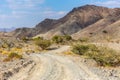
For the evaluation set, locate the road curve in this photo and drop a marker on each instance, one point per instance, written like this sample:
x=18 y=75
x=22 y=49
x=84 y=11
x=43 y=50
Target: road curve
x=51 y=66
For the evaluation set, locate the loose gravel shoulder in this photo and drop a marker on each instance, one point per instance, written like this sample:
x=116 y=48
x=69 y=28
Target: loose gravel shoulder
x=8 y=69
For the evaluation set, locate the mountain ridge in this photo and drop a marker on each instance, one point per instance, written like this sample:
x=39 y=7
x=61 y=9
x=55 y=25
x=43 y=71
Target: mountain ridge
x=74 y=23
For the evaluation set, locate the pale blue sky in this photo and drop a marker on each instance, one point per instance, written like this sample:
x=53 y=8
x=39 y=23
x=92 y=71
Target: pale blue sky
x=28 y=13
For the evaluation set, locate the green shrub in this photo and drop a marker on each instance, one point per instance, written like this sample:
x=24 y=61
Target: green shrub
x=57 y=39
x=61 y=39
x=103 y=56
x=14 y=55
x=44 y=44
x=11 y=56
x=38 y=38
x=104 y=31
x=67 y=37
x=25 y=39
x=80 y=49
x=83 y=39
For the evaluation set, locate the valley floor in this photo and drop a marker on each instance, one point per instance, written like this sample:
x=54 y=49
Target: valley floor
x=53 y=65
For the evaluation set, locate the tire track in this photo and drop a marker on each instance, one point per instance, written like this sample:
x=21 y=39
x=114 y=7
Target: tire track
x=51 y=66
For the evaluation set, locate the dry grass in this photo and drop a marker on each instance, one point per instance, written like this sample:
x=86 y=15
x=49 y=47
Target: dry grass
x=12 y=56
x=68 y=53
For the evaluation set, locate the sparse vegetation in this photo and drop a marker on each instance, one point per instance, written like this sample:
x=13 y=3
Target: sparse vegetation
x=67 y=37
x=68 y=53
x=38 y=38
x=44 y=44
x=104 y=31
x=12 y=55
x=57 y=39
x=61 y=39
x=7 y=44
x=25 y=39
x=103 y=56
x=83 y=39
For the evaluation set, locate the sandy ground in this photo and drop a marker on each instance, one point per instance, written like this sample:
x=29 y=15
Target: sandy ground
x=53 y=66
x=50 y=66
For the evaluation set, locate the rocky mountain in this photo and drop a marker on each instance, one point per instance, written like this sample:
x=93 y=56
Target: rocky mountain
x=42 y=27
x=84 y=21
x=107 y=28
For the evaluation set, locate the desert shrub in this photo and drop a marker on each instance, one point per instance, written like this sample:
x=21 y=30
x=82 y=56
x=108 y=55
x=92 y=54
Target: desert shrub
x=104 y=31
x=106 y=57
x=61 y=39
x=103 y=56
x=44 y=44
x=25 y=39
x=91 y=33
x=38 y=38
x=16 y=49
x=81 y=49
x=4 y=52
x=83 y=39
x=5 y=45
x=14 y=55
x=67 y=37
x=68 y=53
x=11 y=56
x=57 y=39
x=6 y=59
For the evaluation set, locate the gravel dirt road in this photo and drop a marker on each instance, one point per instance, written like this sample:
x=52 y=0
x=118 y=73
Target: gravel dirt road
x=52 y=66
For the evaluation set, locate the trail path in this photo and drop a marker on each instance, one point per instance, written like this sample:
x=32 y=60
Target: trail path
x=52 y=66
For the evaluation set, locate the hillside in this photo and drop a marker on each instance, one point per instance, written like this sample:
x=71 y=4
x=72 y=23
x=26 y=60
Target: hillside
x=42 y=27
x=84 y=21
x=106 y=28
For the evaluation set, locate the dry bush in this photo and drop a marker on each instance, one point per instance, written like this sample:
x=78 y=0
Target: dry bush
x=68 y=53
x=57 y=39
x=102 y=55
x=12 y=56
x=61 y=39
x=44 y=44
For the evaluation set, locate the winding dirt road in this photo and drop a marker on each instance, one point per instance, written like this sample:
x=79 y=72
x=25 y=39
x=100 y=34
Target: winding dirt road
x=52 y=66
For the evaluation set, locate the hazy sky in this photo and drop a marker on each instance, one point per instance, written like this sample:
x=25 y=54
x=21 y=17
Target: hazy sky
x=27 y=13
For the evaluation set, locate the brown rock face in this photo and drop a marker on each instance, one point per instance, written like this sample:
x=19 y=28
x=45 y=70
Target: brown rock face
x=88 y=20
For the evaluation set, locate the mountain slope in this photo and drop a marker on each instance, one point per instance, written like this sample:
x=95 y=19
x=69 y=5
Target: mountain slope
x=78 y=19
x=86 y=20
x=90 y=17
x=42 y=27
x=109 y=27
